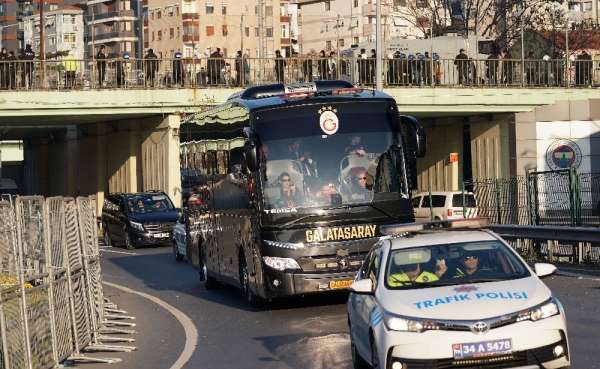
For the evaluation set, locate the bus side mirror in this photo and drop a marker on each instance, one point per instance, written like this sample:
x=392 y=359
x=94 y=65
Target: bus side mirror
x=416 y=134
x=251 y=154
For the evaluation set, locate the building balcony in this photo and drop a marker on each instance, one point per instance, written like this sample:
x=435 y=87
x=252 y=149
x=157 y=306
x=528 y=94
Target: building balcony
x=188 y=16
x=100 y=37
x=370 y=10
x=285 y=19
x=114 y=14
x=191 y=38
x=284 y=41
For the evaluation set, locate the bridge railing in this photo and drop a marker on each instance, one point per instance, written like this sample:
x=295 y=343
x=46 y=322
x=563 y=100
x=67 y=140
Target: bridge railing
x=239 y=72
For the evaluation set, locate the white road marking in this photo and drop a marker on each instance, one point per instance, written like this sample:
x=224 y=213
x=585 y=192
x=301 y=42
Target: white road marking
x=578 y=276
x=191 y=333
x=118 y=252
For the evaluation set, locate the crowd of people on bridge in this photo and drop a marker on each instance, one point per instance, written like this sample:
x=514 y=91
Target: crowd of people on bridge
x=214 y=69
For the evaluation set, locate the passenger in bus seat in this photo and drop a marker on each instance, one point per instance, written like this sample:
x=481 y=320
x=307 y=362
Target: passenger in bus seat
x=288 y=195
x=355 y=146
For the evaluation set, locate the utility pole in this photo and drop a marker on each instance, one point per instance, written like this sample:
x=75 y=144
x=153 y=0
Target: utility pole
x=378 y=47
x=261 y=29
x=42 y=43
x=241 y=33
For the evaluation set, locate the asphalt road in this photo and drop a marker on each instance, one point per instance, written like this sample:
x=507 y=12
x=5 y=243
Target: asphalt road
x=298 y=333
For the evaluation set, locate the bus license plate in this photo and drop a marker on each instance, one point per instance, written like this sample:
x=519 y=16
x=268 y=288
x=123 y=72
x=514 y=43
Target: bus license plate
x=341 y=284
x=481 y=349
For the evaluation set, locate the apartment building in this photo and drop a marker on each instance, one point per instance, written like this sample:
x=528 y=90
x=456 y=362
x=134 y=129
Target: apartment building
x=339 y=24
x=63 y=31
x=585 y=11
x=12 y=13
x=116 y=24
x=198 y=27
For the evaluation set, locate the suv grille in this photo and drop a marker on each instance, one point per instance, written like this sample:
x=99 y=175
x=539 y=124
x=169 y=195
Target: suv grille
x=159 y=227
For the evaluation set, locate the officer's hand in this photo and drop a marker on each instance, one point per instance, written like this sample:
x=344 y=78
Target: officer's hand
x=441 y=268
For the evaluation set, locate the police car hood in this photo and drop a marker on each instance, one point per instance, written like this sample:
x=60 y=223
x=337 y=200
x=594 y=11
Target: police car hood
x=467 y=301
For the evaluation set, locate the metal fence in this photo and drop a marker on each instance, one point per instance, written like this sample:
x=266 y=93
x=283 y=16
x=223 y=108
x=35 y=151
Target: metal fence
x=51 y=301
x=240 y=72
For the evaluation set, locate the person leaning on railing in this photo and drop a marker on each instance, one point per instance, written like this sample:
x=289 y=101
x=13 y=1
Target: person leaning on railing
x=70 y=67
x=27 y=72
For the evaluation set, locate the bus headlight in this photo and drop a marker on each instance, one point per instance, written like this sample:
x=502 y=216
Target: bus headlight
x=280 y=263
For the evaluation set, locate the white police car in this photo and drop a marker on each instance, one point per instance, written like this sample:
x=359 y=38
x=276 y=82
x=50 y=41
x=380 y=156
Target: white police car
x=453 y=299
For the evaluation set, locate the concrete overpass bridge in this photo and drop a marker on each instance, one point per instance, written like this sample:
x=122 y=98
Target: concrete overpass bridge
x=110 y=140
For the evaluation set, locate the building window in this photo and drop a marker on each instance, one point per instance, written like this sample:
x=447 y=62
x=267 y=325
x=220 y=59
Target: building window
x=210 y=30
x=171 y=33
x=269 y=31
x=152 y=35
x=328 y=45
x=171 y=11
x=421 y=4
x=69 y=37
x=51 y=40
x=125 y=26
x=68 y=19
x=256 y=10
x=341 y=42
x=355 y=40
x=224 y=30
x=178 y=34
x=356 y=3
x=284 y=31
x=177 y=10
x=159 y=14
x=268 y=11
x=223 y=9
x=152 y=14
x=159 y=35
x=247 y=31
x=587 y=6
x=210 y=9
x=2 y=9
x=327 y=6
x=256 y=32
x=125 y=5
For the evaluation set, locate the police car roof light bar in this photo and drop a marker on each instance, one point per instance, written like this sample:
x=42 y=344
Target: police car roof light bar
x=472 y=223
x=347 y=91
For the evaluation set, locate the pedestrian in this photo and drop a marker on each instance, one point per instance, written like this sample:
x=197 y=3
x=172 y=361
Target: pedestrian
x=120 y=69
x=12 y=70
x=403 y=72
x=531 y=69
x=151 y=67
x=322 y=65
x=362 y=66
x=101 y=64
x=372 y=66
x=583 y=69
x=239 y=68
x=491 y=65
x=279 y=66
x=420 y=68
x=307 y=66
x=178 y=71
x=28 y=68
x=70 y=67
x=3 y=68
x=507 y=67
x=332 y=66
x=393 y=68
x=462 y=64
x=437 y=69
x=427 y=76
x=411 y=69
x=246 y=60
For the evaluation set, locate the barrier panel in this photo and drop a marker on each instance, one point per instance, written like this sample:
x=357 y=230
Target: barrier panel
x=51 y=302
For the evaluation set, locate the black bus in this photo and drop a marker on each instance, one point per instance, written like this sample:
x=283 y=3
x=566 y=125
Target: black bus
x=320 y=168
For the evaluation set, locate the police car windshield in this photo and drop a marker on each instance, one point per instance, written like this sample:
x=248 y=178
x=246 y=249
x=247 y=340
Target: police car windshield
x=140 y=204
x=452 y=264
x=311 y=161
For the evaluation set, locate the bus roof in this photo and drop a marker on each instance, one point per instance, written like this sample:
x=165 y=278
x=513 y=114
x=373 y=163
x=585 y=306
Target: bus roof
x=240 y=104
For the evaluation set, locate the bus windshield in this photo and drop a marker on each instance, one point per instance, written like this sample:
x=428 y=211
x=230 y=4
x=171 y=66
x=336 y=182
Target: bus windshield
x=305 y=165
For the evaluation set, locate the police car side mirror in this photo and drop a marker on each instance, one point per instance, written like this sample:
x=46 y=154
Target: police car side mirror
x=362 y=286
x=544 y=269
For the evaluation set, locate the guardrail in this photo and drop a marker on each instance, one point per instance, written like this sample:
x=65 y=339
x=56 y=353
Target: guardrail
x=52 y=306
x=553 y=243
x=66 y=74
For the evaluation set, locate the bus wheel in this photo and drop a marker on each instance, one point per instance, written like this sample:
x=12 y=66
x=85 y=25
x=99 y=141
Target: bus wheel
x=254 y=300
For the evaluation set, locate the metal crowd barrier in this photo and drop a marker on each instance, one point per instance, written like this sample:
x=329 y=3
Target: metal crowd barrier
x=163 y=73
x=52 y=306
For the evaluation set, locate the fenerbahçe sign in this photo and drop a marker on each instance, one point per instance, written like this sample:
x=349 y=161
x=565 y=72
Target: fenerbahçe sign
x=340 y=233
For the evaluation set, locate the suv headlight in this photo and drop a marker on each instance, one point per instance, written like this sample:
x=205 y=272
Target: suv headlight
x=541 y=311
x=281 y=263
x=137 y=226
x=405 y=324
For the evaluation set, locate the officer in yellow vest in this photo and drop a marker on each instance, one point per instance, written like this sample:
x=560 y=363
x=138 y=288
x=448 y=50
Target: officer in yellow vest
x=70 y=67
x=410 y=274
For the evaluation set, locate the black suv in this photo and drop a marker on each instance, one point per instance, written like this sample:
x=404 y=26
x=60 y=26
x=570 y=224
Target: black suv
x=135 y=219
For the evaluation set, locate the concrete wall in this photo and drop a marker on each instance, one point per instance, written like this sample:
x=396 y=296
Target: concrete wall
x=119 y=156
x=491 y=148
x=573 y=124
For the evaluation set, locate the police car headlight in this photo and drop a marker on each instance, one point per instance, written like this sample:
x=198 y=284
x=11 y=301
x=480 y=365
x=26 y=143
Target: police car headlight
x=396 y=323
x=280 y=263
x=542 y=311
x=137 y=226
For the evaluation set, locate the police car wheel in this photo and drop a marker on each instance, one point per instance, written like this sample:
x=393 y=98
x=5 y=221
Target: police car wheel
x=374 y=355
x=357 y=361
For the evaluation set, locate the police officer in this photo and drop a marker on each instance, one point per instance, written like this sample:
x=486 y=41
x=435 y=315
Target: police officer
x=469 y=267
x=27 y=72
x=178 y=69
x=410 y=274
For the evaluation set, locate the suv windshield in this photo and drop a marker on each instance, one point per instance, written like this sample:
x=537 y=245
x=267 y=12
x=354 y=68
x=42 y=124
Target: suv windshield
x=149 y=203
x=452 y=264
x=305 y=167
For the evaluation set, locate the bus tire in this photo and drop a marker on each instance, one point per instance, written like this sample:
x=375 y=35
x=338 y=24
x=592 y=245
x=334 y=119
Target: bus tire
x=253 y=299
